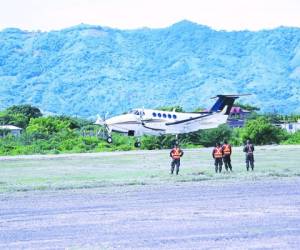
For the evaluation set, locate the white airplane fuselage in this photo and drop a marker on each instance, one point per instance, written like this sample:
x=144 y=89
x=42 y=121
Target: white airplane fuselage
x=139 y=122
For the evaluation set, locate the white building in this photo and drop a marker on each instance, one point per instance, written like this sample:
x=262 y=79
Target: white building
x=291 y=127
x=5 y=129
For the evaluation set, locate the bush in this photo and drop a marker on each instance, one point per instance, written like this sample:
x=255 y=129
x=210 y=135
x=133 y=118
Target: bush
x=210 y=137
x=47 y=125
x=293 y=138
x=260 y=131
x=19 y=115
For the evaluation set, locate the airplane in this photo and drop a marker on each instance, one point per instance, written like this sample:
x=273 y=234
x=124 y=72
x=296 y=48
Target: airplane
x=138 y=122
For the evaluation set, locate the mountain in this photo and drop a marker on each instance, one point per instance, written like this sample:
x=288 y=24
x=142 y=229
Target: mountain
x=87 y=69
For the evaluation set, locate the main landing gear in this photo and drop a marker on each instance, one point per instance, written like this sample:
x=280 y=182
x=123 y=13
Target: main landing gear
x=105 y=134
x=109 y=139
x=138 y=143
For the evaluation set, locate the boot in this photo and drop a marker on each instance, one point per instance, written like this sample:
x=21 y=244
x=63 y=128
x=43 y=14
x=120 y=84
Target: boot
x=172 y=170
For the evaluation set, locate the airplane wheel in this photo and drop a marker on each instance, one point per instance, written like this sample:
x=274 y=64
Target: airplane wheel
x=137 y=144
x=109 y=139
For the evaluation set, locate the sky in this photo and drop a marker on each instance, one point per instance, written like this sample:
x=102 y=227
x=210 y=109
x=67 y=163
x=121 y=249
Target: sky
x=230 y=15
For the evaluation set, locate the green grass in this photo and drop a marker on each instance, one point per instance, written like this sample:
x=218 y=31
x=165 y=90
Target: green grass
x=152 y=167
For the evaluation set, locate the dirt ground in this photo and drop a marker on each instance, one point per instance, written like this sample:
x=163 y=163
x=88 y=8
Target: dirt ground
x=226 y=214
x=128 y=200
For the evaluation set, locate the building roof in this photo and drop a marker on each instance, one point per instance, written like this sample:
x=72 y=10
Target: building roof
x=10 y=127
x=238 y=110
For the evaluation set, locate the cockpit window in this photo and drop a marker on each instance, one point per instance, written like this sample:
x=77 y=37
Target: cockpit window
x=136 y=112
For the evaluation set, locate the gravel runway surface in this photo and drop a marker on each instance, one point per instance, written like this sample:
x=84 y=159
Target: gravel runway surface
x=262 y=214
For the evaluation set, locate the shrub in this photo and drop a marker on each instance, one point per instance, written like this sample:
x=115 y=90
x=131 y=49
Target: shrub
x=260 y=131
x=293 y=138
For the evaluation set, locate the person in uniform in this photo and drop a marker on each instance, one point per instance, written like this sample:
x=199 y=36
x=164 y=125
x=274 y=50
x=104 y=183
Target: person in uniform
x=248 y=149
x=227 y=150
x=176 y=153
x=217 y=154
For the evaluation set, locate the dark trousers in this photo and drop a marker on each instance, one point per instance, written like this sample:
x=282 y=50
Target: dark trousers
x=227 y=162
x=249 y=161
x=175 y=163
x=218 y=165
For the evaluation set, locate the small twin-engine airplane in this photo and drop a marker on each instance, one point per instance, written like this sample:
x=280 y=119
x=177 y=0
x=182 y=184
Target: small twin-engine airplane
x=141 y=121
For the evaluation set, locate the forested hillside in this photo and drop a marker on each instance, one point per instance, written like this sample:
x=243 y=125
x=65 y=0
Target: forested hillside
x=85 y=70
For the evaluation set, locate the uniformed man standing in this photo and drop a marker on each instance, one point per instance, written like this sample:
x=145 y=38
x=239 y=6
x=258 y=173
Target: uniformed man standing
x=227 y=155
x=176 y=153
x=248 y=149
x=217 y=154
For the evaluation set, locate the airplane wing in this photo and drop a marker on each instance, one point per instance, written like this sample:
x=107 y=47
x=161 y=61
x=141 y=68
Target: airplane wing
x=154 y=125
x=203 y=121
x=187 y=121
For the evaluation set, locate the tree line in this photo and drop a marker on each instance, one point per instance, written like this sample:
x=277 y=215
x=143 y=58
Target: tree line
x=61 y=134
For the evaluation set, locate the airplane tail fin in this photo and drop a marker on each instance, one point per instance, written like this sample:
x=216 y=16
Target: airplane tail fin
x=224 y=103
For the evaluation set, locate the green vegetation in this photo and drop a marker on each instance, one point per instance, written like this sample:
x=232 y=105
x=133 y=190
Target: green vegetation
x=61 y=134
x=293 y=138
x=19 y=115
x=260 y=131
x=247 y=107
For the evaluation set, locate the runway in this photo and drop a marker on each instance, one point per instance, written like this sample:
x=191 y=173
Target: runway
x=258 y=214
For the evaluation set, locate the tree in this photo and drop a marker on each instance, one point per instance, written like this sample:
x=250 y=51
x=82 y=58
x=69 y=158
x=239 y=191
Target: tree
x=19 y=115
x=75 y=122
x=210 y=137
x=171 y=108
x=247 y=107
x=199 y=109
x=293 y=138
x=260 y=131
x=207 y=137
x=16 y=119
x=26 y=109
x=48 y=125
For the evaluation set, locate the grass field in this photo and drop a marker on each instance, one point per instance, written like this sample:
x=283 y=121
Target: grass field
x=26 y=173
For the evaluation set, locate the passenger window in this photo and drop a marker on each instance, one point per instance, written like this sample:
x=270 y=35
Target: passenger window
x=154 y=114
x=164 y=116
x=169 y=116
x=159 y=114
x=174 y=117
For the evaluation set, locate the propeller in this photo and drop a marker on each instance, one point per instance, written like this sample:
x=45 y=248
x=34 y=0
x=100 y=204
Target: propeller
x=101 y=121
